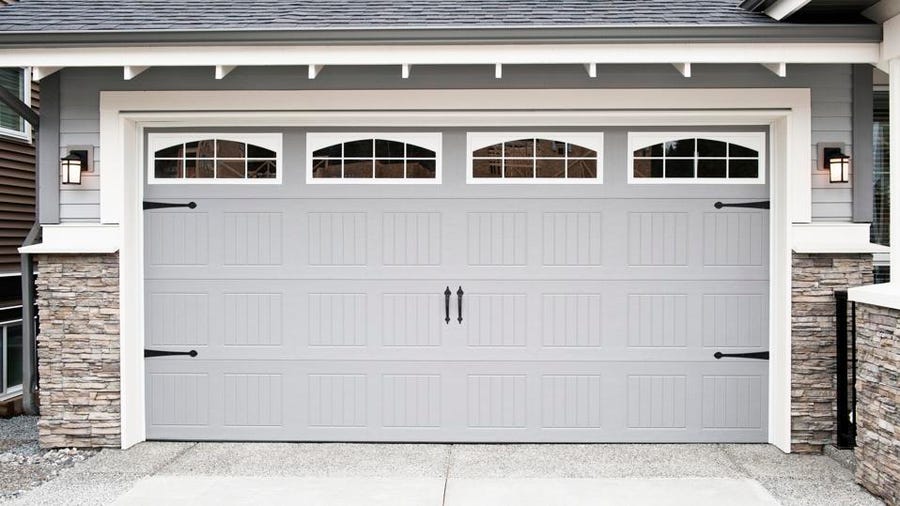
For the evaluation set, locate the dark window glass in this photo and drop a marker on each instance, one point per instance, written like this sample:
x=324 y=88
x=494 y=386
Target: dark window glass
x=329 y=152
x=583 y=168
x=200 y=149
x=167 y=169
x=230 y=169
x=550 y=149
x=324 y=168
x=176 y=151
x=735 y=151
x=389 y=169
x=679 y=168
x=421 y=169
x=495 y=151
x=518 y=168
x=13 y=80
x=231 y=149
x=14 y=350
x=199 y=169
x=358 y=149
x=258 y=152
x=711 y=168
x=491 y=167
x=551 y=168
x=261 y=169
x=711 y=149
x=743 y=168
x=683 y=147
x=522 y=148
x=644 y=168
x=655 y=150
x=358 y=169
x=576 y=151
x=388 y=149
x=413 y=151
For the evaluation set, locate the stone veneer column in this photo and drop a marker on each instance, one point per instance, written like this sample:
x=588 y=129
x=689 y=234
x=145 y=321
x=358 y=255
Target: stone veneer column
x=813 y=361
x=78 y=350
x=878 y=401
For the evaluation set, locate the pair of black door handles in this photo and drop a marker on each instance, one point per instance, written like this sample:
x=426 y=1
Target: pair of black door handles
x=459 y=296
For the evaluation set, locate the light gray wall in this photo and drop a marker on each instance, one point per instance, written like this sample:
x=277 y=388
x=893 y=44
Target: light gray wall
x=831 y=102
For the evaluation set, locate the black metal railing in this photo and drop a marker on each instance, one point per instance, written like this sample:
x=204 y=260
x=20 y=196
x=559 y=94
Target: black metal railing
x=845 y=324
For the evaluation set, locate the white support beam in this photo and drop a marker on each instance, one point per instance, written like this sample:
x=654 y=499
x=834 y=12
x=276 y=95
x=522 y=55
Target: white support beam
x=784 y=8
x=498 y=71
x=779 y=69
x=130 y=72
x=314 y=70
x=38 y=73
x=404 y=70
x=224 y=70
x=591 y=69
x=894 y=143
x=683 y=68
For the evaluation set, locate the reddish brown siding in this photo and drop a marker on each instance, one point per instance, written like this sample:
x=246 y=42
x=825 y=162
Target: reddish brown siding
x=17 y=193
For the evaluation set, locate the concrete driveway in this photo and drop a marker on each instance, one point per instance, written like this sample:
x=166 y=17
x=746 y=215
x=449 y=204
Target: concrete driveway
x=405 y=474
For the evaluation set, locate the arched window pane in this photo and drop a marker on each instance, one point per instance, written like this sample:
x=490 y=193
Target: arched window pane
x=374 y=158
x=214 y=159
x=736 y=151
x=534 y=158
x=707 y=148
x=681 y=148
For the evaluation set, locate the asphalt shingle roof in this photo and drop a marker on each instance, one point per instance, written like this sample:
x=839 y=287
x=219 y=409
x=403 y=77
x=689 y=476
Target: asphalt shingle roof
x=262 y=15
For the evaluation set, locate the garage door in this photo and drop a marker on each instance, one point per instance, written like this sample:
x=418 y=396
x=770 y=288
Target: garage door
x=456 y=286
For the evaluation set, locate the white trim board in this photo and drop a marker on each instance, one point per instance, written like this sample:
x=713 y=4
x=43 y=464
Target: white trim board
x=125 y=115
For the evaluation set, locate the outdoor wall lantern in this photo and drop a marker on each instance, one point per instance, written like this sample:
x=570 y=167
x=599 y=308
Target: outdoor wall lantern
x=72 y=165
x=838 y=165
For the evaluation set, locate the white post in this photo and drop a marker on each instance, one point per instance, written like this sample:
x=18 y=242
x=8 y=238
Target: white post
x=894 y=96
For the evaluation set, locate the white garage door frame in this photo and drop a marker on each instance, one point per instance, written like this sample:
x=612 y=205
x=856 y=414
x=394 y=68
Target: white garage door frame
x=125 y=115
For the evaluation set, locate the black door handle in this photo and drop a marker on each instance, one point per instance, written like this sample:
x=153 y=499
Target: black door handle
x=763 y=204
x=459 y=295
x=447 y=305
x=164 y=353
x=164 y=205
x=758 y=355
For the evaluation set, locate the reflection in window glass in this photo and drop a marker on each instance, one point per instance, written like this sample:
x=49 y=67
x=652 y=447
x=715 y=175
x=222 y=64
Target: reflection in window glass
x=534 y=158
x=374 y=158
x=215 y=159
x=695 y=158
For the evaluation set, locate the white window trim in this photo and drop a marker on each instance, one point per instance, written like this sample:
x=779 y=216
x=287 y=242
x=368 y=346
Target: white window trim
x=427 y=140
x=478 y=140
x=26 y=97
x=753 y=140
x=160 y=140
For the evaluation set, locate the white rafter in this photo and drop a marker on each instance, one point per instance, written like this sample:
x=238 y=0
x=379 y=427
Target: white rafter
x=404 y=70
x=224 y=70
x=779 y=69
x=784 y=8
x=38 y=73
x=498 y=71
x=314 y=70
x=683 y=68
x=591 y=69
x=130 y=71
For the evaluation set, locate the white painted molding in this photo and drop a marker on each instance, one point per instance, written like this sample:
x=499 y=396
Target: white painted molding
x=591 y=69
x=76 y=238
x=683 y=68
x=784 y=8
x=448 y=54
x=779 y=69
x=224 y=70
x=404 y=70
x=38 y=73
x=314 y=71
x=884 y=295
x=130 y=72
x=498 y=71
x=834 y=238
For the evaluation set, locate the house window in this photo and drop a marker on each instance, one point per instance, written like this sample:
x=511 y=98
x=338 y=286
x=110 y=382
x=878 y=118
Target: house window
x=214 y=158
x=16 y=81
x=398 y=158
x=519 y=157
x=10 y=358
x=687 y=157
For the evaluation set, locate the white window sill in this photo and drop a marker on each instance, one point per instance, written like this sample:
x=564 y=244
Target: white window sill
x=884 y=295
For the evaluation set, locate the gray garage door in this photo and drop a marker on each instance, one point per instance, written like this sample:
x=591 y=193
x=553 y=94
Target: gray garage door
x=588 y=312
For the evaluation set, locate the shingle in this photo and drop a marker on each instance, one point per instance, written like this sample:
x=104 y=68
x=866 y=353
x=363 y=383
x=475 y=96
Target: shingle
x=167 y=15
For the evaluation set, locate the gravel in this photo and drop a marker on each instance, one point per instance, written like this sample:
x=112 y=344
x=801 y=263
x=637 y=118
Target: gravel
x=23 y=465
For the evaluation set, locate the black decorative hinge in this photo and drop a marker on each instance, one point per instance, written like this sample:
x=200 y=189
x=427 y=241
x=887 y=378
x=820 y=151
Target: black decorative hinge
x=762 y=204
x=164 y=353
x=164 y=205
x=758 y=355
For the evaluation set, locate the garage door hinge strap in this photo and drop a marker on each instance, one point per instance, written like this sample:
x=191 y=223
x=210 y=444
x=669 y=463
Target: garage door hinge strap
x=163 y=205
x=163 y=353
x=758 y=355
x=763 y=204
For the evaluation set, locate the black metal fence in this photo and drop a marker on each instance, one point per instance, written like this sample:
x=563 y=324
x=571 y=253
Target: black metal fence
x=845 y=323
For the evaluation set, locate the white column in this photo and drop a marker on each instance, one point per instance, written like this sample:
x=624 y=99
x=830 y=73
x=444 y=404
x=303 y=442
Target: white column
x=894 y=96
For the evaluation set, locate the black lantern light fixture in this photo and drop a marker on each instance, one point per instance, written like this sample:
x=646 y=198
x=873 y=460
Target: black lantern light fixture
x=72 y=165
x=838 y=166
